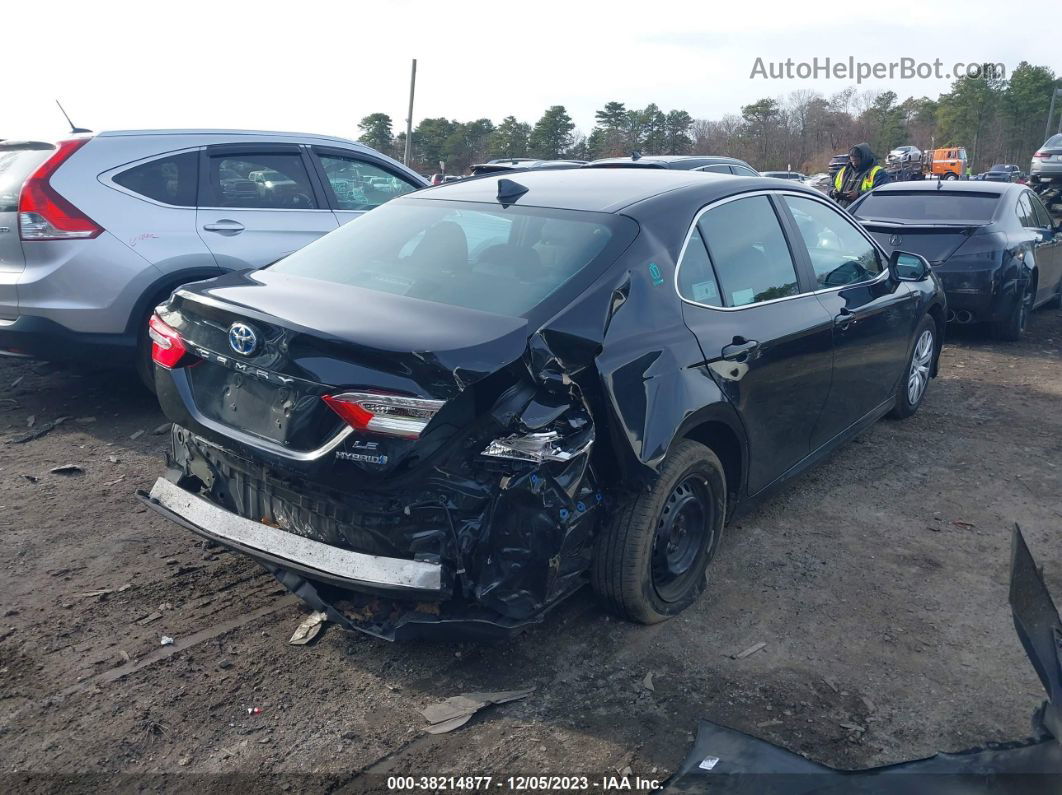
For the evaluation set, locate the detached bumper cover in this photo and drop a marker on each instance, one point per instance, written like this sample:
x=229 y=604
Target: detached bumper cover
x=278 y=547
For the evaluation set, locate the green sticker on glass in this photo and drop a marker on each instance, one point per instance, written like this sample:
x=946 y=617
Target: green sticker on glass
x=655 y=274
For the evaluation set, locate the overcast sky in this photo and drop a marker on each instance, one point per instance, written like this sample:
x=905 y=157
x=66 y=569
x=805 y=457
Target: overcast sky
x=320 y=67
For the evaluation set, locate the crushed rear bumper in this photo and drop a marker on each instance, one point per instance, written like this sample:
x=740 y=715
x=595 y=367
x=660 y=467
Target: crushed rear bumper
x=373 y=594
x=324 y=562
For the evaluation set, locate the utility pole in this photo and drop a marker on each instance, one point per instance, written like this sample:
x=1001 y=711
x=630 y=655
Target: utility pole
x=409 y=118
x=1051 y=114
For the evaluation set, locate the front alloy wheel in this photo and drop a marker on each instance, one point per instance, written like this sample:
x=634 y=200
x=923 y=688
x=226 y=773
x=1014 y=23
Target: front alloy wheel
x=911 y=389
x=921 y=363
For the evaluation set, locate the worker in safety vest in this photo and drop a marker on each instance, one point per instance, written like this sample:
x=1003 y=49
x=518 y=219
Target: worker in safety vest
x=861 y=174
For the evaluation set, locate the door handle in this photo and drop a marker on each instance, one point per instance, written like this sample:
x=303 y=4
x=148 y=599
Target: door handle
x=845 y=319
x=224 y=225
x=739 y=350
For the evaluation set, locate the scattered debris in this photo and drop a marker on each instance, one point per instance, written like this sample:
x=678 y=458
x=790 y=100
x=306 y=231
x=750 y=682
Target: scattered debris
x=708 y=762
x=67 y=469
x=116 y=481
x=853 y=727
x=831 y=684
x=254 y=710
x=113 y=459
x=31 y=420
x=309 y=629
x=136 y=435
x=43 y=429
x=773 y=722
x=741 y=655
x=85 y=420
x=96 y=594
x=166 y=640
x=964 y=525
x=17 y=381
x=647 y=683
x=31 y=478
x=164 y=428
x=867 y=703
x=149 y=618
x=456 y=711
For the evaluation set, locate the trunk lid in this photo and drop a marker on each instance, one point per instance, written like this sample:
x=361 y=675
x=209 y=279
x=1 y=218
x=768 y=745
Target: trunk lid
x=17 y=161
x=316 y=338
x=935 y=242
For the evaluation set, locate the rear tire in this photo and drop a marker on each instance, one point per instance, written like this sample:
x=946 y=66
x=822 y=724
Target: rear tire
x=650 y=559
x=911 y=390
x=1012 y=327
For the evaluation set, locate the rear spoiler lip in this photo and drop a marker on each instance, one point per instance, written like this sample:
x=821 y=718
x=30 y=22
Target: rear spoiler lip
x=891 y=225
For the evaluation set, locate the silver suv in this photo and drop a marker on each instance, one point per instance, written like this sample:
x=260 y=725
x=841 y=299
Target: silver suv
x=97 y=230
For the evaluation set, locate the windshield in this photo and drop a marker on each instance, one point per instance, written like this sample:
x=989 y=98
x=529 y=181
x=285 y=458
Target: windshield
x=478 y=256
x=929 y=206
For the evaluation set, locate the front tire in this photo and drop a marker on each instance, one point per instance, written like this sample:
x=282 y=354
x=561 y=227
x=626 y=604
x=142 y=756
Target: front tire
x=650 y=559
x=911 y=389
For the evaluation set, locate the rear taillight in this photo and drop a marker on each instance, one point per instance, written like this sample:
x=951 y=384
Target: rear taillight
x=1041 y=154
x=390 y=415
x=45 y=215
x=167 y=348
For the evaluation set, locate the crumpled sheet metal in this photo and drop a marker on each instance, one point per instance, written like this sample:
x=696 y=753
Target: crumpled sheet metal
x=724 y=760
x=456 y=711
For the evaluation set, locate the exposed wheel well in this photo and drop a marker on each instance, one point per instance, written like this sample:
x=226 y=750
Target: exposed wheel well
x=725 y=444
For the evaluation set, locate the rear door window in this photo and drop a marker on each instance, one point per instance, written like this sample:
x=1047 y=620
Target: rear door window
x=359 y=185
x=1043 y=218
x=696 y=277
x=839 y=253
x=744 y=171
x=259 y=181
x=170 y=180
x=751 y=257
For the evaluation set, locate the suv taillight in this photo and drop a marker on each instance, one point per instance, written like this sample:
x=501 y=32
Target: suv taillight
x=167 y=348
x=1041 y=154
x=45 y=215
x=390 y=415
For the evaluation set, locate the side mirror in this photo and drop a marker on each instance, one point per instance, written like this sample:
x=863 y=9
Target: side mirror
x=907 y=267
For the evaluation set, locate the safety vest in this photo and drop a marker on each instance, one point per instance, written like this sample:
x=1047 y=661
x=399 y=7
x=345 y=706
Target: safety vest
x=864 y=186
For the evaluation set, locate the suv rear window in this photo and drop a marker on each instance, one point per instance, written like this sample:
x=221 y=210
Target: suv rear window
x=16 y=164
x=934 y=206
x=479 y=256
x=170 y=180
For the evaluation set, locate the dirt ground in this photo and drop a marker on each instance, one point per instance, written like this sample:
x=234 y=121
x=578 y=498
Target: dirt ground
x=878 y=581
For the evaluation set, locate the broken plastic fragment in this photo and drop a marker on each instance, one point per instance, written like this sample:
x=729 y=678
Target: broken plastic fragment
x=166 y=641
x=309 y=629
x=708 y=762
x=533 y=447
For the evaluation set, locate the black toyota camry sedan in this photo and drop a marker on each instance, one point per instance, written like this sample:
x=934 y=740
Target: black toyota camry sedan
x=457 y=409
x=995 y=247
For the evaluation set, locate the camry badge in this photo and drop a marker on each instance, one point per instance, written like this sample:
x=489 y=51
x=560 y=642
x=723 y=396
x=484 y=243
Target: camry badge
x=242 y=339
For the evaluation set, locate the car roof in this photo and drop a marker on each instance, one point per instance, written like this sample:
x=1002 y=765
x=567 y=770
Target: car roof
x=219 y=131
x=606 y=190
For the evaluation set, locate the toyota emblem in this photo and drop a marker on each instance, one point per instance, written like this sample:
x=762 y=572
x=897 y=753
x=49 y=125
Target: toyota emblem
x=242 y=339
x=895 y=240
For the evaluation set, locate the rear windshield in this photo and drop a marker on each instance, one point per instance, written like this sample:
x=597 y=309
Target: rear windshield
x=15 y=166
x=479 y=256
x=934 y=206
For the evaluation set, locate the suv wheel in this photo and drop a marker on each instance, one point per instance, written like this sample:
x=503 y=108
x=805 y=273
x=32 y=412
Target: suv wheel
x=650 y=559
x=915 y=379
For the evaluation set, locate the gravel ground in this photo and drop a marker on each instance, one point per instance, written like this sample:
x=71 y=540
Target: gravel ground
x=878 y=582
